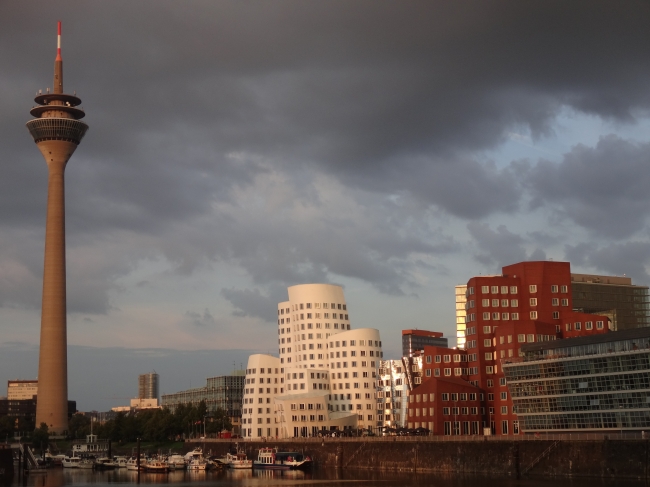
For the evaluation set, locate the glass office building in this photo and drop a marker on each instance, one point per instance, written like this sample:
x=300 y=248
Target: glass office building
x=625 y=304
x=224 y=392
x=592 y=383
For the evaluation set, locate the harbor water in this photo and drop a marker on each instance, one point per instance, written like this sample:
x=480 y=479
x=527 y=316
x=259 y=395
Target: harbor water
x=59 y=477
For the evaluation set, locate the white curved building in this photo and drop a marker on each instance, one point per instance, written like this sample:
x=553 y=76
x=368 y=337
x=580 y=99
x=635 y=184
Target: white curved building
x=328 y=372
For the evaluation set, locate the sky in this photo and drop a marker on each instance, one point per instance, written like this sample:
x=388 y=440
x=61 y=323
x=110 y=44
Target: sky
x=237 y=148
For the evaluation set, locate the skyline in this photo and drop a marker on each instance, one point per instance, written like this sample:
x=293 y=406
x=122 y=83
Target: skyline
x=396 y=150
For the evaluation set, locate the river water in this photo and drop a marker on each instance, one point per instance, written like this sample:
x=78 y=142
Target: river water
x=59 y=477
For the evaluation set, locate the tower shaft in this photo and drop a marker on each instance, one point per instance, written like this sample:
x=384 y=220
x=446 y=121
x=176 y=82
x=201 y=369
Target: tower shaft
x=52 y=403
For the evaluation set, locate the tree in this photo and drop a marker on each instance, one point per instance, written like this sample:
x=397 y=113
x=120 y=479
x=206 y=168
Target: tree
x=41 y=436
x=7 y=427
x=78 y=426
x=219 y=421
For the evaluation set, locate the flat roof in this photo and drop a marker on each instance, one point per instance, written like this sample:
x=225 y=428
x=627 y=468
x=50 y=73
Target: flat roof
x=612 y=336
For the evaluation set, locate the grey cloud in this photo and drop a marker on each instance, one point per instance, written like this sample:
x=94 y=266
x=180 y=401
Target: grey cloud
x=251 y=302
x=628 y=258
x=603 y=188
x=500 y=247
x=205 y=320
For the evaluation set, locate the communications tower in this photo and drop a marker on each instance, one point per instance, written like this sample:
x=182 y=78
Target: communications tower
x=57 y=131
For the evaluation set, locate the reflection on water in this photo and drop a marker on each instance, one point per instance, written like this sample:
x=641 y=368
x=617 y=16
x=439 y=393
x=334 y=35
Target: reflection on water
x=263 y=478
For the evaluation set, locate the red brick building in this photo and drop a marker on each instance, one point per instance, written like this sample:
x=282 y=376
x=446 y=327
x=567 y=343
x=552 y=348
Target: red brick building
x=529 y=302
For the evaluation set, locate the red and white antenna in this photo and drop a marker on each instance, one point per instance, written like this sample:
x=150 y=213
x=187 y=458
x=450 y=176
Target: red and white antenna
x=58 y=43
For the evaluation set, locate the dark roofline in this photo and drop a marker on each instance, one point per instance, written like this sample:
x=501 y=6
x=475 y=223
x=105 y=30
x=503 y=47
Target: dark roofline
x=612 y=336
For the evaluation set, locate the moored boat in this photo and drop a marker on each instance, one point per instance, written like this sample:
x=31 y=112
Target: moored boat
x=132 y=463
x=197 y=464
x=71 y=462
x=87 y=463
x=271 y=458
x=105 y=463
x=156 y=466
x=238 y=460
x=176 y=462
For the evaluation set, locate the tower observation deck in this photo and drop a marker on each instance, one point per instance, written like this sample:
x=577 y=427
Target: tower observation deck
x=57 y=131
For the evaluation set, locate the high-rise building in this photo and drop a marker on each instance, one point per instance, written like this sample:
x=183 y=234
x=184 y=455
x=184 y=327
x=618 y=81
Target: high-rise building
x=461 y=299
x=22 y=389
x=529 y=302
x=57 y=131
x=148 y=386
x=625 y=304
x=325 y=377
x=414 y=341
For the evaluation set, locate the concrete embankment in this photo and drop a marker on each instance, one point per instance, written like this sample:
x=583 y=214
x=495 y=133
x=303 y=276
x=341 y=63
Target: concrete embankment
x=564 y=458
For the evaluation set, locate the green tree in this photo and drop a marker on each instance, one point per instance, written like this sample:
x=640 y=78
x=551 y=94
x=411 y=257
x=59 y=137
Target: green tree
x=218 y=422
x=41 y=437
x=78 y=426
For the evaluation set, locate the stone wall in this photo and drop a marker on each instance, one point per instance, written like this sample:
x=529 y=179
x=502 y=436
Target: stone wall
x=609 y=459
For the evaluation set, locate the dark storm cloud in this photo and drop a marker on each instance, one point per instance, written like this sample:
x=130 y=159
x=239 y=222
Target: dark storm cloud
x=251 y=302
x=618 y=259
x=500 y=247
x=189 y=108
x=603 y=188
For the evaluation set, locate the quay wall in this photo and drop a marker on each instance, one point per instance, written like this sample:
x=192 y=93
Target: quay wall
x=564 y=458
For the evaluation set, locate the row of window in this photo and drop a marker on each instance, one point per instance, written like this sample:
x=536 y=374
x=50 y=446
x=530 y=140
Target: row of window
x=337 y=365
x=310 y=326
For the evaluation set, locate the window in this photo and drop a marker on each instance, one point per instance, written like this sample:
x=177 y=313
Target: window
x=554 y=288
x=487 y=329
x=445 y=396
x=487 y=342
x=577 y=325
x=495 y=303
x=485 y=302
x=446 y=358
x=530 y=338
x=486 y=316
x=485 y=289
x=556 y=315
x=521 y=338
x=505 y=316
x=514 y=303
x=533 y=301
x=599 y=325
x=533 y=315
x=495 y=289
x=589 y=325
x=513 y=289
x=532 y=288
x=504 y=302
x=488 y=355
x=567 y=327
x=564 y=289
x=495 y=316
x=504 y=409
x=447 y=372
x=565 y=302
x=502 y=381
x=514 y=316
x=504 y=289
x=489 y=369
x=437 y=359
x=504 y=396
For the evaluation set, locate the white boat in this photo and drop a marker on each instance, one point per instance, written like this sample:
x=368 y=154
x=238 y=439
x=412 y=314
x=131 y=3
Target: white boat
x=238 y=460
x=120 y=462
x=71 y=462
x=272 y=459
x=196 y=453
x=176 y=462
x=132 y=463
x=197 y=464
x=87 y=463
